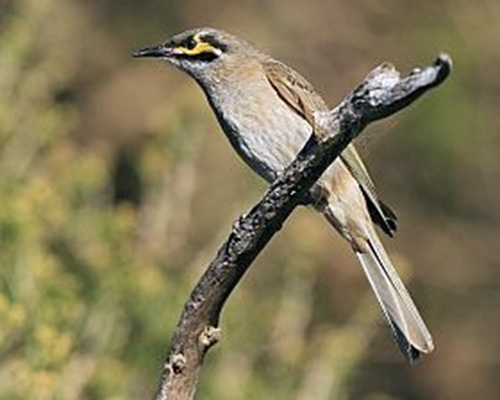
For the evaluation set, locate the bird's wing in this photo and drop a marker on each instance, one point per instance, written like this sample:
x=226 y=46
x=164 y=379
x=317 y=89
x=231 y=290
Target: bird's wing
x=300 y=95
x=294 y=90
x=380 y=213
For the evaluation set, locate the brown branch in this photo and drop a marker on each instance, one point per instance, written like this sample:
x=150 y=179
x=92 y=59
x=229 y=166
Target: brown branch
x=382 y=93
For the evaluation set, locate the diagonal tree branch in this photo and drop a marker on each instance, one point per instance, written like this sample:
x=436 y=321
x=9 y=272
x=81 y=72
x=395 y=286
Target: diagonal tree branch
x=382 y=93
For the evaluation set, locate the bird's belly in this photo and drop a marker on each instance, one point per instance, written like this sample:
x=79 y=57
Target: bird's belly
x=267 y=138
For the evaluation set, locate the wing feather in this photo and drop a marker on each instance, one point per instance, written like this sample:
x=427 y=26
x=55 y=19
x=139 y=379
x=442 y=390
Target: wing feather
x=294 y=90
x=300 y=95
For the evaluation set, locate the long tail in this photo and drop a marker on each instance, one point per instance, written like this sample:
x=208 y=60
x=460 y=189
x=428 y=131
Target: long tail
x=408 y=328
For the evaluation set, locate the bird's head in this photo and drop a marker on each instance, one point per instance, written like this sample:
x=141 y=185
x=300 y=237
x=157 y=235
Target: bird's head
x=197 y=51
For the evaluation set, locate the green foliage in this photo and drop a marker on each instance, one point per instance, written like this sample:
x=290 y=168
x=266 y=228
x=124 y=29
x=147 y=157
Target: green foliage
x=79 y=301
x=116 y=189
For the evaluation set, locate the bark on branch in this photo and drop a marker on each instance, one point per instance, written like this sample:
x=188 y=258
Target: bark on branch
x=382 y=93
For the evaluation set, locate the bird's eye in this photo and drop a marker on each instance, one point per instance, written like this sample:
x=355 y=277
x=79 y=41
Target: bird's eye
x=190 y=43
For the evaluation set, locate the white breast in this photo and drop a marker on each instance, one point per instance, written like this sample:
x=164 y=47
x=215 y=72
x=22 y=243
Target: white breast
x=263 y=129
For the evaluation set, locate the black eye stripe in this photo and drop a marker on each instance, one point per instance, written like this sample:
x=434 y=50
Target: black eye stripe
x=210 y=39
x=202 y=57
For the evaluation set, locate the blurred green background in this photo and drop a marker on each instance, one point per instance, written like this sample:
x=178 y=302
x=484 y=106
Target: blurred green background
x=117 y=186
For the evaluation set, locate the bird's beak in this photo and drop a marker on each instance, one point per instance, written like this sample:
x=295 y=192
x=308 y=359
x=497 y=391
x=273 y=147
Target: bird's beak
x=160 y=51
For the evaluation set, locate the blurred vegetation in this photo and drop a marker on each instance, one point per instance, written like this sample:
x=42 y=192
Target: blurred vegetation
x=116 y=188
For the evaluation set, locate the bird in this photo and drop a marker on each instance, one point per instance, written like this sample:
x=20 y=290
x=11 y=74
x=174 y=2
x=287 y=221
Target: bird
x=268 y=111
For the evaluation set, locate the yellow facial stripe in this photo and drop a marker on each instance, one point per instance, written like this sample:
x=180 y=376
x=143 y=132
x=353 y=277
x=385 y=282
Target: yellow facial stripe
x=201 y=47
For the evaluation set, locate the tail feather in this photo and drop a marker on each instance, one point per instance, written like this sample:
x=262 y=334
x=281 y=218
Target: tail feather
x=408 y=328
